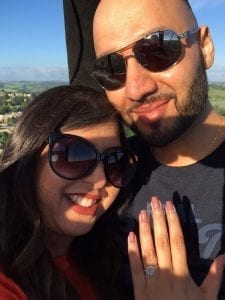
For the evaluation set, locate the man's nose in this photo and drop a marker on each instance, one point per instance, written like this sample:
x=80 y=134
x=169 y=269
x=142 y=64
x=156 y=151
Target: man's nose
x=139 y=81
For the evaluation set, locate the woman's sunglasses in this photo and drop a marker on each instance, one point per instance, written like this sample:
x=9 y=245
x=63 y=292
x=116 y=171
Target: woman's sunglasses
x=155 y=52
x=73 y=157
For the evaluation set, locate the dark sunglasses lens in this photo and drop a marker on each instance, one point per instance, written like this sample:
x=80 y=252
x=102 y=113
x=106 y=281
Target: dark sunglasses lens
x=158 y=51
x=110 y=71
x=71 y=158
x=120 y=167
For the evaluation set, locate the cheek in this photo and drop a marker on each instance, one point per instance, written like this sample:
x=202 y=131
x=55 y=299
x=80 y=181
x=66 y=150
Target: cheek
x=112 y=193
x=110 y=196
x=44 y=173
x=48 y=183
x=180 y=77
x=188 y=66
x=117 y=99
x=49 y=195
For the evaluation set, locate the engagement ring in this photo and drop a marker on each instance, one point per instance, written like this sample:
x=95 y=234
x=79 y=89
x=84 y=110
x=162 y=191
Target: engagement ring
x=151 y=270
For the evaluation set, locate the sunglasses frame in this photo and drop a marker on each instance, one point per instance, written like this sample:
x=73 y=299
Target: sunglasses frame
x=56 y=137
x=186 y=34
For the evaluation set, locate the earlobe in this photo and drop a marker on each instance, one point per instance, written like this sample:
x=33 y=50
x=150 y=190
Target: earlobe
x=207 y=47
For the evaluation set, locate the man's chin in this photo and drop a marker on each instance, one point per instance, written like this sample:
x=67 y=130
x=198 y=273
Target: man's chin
x=157 y=137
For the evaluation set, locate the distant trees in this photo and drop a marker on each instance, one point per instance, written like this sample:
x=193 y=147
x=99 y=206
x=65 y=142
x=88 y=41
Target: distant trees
x=4 y=109
x=14 y=97
x=14 y=102
x=3 y=138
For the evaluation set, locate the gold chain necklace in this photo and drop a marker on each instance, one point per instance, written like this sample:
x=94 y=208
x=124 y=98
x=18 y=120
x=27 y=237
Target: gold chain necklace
x=216 y=137
x=211 y=148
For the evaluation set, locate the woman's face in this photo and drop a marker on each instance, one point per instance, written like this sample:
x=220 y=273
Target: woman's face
x=71 y=207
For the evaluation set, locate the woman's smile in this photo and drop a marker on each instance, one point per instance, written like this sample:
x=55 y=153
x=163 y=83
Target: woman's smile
x=84 y=203
x=71 y=207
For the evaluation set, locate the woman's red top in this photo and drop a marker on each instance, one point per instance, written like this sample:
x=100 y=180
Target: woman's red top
x=9 y=290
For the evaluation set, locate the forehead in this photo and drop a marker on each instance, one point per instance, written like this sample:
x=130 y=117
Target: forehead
x=118 y=23
x=103 y=136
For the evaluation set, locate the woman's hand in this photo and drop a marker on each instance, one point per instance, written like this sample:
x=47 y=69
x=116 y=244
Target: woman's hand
x=170 y=279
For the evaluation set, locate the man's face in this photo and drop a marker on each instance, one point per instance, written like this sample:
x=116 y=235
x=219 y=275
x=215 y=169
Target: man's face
x=158 y=105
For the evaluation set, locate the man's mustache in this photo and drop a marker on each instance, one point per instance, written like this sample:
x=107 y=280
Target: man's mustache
x=151 y=99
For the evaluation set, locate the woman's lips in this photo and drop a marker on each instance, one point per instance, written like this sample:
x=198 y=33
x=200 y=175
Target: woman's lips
x=84 y=204
x=86 y=211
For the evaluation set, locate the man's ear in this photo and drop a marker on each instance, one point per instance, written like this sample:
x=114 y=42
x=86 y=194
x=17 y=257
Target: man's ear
x=207 y=47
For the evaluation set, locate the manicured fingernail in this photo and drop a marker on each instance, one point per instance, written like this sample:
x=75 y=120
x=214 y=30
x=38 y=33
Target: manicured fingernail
x=155 y=203
x=170 y=207
x=132 y=237
x=143 y=215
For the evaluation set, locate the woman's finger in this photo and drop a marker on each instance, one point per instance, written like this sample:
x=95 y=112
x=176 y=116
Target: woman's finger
x=161 y=237
x=177 y=245
x=146 y=241
x=136 y=266
x=211 y=285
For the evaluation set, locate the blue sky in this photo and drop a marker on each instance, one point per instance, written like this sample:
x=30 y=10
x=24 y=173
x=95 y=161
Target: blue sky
x=33 y=38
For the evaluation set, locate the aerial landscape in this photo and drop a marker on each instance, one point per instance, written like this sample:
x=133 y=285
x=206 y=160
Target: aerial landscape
x=15 y=95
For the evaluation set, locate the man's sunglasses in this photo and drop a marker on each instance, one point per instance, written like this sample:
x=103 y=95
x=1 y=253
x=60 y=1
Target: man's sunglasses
x=73 y=157
x=155 y=52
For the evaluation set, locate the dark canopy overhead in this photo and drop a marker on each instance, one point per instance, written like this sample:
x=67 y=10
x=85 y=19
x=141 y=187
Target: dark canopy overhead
x=78 y=16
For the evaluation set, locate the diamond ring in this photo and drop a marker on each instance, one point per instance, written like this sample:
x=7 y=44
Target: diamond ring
x=151 y=270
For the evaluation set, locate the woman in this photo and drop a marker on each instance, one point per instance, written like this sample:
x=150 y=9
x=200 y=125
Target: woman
x=61 y=170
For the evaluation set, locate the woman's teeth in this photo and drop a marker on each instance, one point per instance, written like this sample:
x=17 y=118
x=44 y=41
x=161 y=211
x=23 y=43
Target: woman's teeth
x=82 y=201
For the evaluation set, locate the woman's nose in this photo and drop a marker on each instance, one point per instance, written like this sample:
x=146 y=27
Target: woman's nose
x=97 y=178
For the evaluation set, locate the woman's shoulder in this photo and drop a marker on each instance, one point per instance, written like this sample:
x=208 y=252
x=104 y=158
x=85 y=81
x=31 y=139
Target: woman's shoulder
x=9 y=290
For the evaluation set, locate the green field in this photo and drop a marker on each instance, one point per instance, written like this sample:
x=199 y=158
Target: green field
x=35 y=87
x=217 y=96
x=216 y=90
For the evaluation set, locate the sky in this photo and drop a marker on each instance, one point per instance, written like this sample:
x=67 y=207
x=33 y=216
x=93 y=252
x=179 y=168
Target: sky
x=33 y=43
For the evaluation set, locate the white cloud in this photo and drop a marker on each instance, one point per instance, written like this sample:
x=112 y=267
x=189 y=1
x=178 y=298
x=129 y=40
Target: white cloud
x=216 y=73
x=33 y=73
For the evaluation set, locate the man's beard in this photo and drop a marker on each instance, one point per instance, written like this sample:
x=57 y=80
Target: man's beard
x=159 y=135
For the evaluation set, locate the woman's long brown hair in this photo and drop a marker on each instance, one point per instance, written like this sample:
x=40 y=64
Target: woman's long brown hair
x=23 y=253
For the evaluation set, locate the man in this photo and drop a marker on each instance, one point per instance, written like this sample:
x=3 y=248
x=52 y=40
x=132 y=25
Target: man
x=152 y=59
